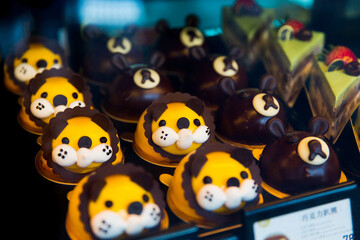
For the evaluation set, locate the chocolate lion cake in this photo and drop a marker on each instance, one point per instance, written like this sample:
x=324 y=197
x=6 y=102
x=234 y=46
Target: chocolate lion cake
x=115 y=202
x=171 y=127
x=29 y=57
x=75 y=143
x=49 y=93
x=212 y=184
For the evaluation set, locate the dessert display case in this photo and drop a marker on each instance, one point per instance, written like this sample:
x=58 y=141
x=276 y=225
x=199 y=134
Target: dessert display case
x=37 y=207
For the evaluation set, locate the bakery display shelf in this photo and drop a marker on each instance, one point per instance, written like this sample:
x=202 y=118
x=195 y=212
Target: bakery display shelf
x=37 y=207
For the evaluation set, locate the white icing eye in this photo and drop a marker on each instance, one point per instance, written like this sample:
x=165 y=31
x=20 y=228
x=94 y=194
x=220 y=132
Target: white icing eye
x=64 y=155
x=123 y=46
x=24 y=72
x=41 y=108
x=191 y=37
x=285 y=33
x=313 y=150
x=211 y=197
x=225 y=66
x=164 y=136
x=76 y=104
x=146 y=78
x=107 y=224
x=266 y=105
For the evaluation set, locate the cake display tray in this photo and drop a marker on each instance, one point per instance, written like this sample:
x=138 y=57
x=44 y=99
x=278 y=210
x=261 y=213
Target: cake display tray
x=37 y=207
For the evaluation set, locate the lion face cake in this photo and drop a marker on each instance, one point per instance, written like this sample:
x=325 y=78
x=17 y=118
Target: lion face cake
x=135 y=88
x=241 y=119
x=29 y=57
x=171 y=127
x=210 y=185
x=116 y=202
x=51 y=92
x=299 y=161
x=76 y=142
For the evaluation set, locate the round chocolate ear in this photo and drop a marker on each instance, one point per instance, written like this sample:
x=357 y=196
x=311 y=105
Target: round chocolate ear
x=198 y=53
x=162 y=26
x=192 y=20
x=318 y=125
x=275 y=127
x=157 y=59
x=268 y=84
x=92 y=31
x=227 y=85
x=237 y=52
x=119 y=61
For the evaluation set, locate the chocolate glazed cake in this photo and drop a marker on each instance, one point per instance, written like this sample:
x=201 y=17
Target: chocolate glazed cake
x=241 y=119
x=299 y=161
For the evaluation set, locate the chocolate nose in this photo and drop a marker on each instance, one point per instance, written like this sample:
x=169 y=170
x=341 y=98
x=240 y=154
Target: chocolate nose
x=183 y=123
x=135 y=208
x=41 y=63
x=59 y=100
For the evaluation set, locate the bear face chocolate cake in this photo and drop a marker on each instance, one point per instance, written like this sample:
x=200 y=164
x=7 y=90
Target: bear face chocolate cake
x=207 y=70
x=247 y=24
x=241 y=119
x=76 y=142
x=171 y=127
x=299 y=161
x=212 y=184
x=99 y=49
x=116 y=202
x=334 y=88
x=289 y=57
x=49 y=93
x=175 y=43
x=27 y=58
x=135 y=88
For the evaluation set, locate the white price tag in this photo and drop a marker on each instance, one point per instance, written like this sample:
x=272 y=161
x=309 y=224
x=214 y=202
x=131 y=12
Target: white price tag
x=331 y=221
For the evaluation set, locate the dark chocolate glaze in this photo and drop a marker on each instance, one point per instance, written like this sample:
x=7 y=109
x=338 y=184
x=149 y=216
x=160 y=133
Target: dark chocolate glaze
x=127 y=101
x=203 y=81
x=170 y=44
x=238 y=121
x=282 y=168
x=97 y=65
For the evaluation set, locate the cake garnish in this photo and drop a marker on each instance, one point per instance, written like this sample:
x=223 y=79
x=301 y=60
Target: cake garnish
x=247 y=7
x=294 y=29
x=341 y=57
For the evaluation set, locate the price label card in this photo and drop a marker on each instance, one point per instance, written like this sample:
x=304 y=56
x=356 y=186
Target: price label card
x=331 y=221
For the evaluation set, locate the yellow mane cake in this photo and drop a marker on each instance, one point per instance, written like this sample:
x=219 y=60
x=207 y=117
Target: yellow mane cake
x=115 y=202
x=29 y=57
x=210 y=185
x=76 y=142
x=171 y=127
x=50 y=92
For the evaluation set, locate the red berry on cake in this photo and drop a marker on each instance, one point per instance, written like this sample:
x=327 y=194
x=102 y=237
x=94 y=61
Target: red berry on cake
x=339 y=57
x=294 y=28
